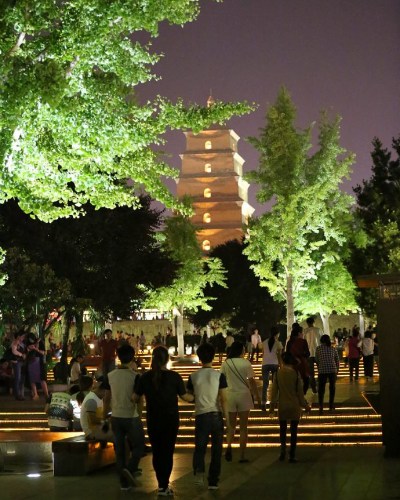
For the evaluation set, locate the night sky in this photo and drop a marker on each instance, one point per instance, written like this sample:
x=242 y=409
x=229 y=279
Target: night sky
x=340 y=55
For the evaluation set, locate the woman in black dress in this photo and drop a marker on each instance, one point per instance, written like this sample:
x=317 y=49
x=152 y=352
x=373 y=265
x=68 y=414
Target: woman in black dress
x=161 y=387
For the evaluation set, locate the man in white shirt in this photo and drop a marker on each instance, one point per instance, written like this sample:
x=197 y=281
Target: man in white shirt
x=209 y=389
x=92 y=415
x=126 y=417
x=255 y=343
x=313 y=335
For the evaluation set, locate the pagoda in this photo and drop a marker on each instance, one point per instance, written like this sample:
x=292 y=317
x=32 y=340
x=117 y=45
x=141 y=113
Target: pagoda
x=212 y=175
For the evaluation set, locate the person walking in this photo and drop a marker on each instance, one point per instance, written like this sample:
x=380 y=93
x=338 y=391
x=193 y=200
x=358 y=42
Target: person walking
x=255 y=344
x=18 y=350
x=287 y=393
x=108 y=349
x=367 y=350
x=297 y=346
x=327 y=360
x=354 y=354
x=161 y=387
x=209 y=389
x=241 y=390
x=126 y=423
x=36 y=366
x=312 y=335
x=272 y=350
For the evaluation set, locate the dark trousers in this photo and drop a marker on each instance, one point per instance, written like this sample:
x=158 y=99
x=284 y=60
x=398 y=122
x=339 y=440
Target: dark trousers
x=266 y=370
x=293 y=436
x=162 y=434
x=311 y=364
x=354 y=366
x=127 y=431
x=322 y=380
x=208 y=424
x=368 y=365
x=19 y=379
x=256 y=351
x=107 y=367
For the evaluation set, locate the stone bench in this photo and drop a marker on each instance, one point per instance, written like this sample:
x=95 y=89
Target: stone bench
x=24 y=447
x=76 y=456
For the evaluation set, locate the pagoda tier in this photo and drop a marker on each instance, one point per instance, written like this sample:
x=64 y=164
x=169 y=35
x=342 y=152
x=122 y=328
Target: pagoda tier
x=211 y=175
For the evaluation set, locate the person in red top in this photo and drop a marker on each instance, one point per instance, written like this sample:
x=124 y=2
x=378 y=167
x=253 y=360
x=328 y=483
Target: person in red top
x=108 y=350
x=297 y=346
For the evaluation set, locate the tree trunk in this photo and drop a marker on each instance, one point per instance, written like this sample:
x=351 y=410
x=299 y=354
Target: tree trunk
x=79 y=345
x=362 y=323
x=62 y=367
x=325 y=323
x=180 y=337
x=289 y=303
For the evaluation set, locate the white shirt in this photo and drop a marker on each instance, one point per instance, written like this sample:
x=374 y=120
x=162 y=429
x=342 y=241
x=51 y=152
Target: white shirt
x=313 y=335
x=91 y=403
x=367 y=346
x=237 y=371
x=122 y=381
x=255 y=339
x=206 y=383
x=271 y=357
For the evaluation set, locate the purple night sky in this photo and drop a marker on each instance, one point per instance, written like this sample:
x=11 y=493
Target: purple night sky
x=341 y=55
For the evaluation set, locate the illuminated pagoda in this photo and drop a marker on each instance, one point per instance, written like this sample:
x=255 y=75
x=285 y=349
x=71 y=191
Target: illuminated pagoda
x=212 y=175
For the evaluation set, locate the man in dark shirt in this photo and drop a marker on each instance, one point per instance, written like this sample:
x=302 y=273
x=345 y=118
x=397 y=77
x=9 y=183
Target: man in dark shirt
x=108 y=349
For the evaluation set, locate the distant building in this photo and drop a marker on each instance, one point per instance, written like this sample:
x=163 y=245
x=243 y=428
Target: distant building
x=212 y=175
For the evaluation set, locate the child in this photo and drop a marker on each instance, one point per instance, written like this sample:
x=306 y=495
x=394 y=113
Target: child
x=208 y=387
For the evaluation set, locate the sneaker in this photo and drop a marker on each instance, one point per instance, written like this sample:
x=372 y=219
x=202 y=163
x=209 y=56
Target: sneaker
x=126 y=488
x=126 y=473
x=165 y=492
x=213 y=487
x=199 y=479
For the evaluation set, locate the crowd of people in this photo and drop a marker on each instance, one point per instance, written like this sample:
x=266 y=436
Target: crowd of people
x=109 y=407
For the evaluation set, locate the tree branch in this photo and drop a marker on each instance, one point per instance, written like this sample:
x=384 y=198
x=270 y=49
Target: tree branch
x=19 y=42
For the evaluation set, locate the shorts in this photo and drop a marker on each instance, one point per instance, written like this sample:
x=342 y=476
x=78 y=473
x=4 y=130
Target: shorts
x=239 y=401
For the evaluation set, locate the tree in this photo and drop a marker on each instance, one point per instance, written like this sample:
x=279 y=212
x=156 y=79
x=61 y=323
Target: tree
x=186 y=293
x=378 y=211
x=242 y=302
x=104 y=255
x=72 y=130
x=285 y=242
x=32 y=296
x=332 y=290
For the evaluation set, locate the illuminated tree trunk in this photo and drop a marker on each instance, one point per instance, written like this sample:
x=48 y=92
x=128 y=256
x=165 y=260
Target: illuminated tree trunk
x=325 y=323
x=180 y=338
x=289 y=303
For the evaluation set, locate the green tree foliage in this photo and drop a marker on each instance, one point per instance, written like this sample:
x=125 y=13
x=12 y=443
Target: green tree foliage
x=187 y=292
x=104 y=255
x=242 y=302
x=290 y=242
x=332 y=290
x=378 y=210
x=31 y=293
x=71 y=129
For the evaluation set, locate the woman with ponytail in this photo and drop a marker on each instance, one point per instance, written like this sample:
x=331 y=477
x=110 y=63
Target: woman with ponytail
x=161 y=388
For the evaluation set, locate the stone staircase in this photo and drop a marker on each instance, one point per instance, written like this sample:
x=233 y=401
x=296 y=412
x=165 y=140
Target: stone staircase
x=354 y=422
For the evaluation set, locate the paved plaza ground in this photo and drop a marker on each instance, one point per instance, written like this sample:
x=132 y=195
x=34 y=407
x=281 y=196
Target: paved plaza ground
x=327 y=473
